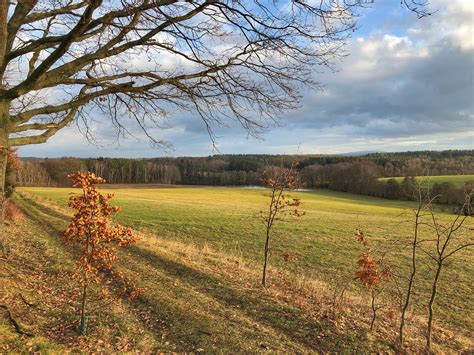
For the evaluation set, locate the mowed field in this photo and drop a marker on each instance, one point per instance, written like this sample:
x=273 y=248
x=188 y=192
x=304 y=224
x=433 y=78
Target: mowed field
x=322 y=244
x=427 y=181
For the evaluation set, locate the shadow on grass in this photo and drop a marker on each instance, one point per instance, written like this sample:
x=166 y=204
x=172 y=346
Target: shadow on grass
x=38 y=206
x=255 y=304
x=285 y=318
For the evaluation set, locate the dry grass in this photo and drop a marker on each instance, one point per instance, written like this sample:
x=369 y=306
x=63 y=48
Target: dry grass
x=349 y=313
x=321 y=243
x=37 y=290
x=198 y=297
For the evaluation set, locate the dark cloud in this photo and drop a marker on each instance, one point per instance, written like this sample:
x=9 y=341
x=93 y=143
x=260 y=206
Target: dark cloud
x=427 y=90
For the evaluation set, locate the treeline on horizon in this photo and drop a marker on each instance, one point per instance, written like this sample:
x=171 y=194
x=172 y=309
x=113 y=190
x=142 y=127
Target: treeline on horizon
x=356 y=174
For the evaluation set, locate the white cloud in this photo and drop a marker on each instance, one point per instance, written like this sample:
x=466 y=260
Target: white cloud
x=406 y=87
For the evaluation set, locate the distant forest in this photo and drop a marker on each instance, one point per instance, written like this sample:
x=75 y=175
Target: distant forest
x=356 y=174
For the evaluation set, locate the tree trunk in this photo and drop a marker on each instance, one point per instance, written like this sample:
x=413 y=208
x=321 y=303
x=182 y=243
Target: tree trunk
x=411 y=279
x=264 y=275
x=4 y=147
x=374 y=311
x=3 y=169
x=4 y=8
x=430 y=306
x=83 y=326
x=4 y=105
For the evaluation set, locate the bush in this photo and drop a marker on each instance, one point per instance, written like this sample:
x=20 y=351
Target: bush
x=11 y=212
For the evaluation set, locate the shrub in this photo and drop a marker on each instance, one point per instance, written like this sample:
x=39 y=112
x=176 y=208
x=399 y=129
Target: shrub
x=11 y=212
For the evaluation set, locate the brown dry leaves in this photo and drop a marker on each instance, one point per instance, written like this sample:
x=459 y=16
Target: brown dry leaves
x=99 y=239
x=13 y=159
x=11 y=212
x=370 y=271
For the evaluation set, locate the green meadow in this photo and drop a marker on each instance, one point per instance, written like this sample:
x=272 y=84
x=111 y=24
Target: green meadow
x=427 y=181
x=321 y=242
x=228 y=219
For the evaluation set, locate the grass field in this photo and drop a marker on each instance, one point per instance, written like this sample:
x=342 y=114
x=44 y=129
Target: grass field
x=426 y=181
x=228 y=219
x=203 y=251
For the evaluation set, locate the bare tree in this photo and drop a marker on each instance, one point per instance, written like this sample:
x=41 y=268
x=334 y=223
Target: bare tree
x=245 y=60
x=450 y=238
x=418 y=214
x=280 y=181
x=442 y=239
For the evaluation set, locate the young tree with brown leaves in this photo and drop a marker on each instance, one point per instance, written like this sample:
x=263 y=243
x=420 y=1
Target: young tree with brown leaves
x=281 y=181
x=143 y=58
x=371 y=273
x=98 y=239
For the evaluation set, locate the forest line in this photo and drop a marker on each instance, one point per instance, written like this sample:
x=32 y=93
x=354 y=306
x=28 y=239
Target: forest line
x=355 y=174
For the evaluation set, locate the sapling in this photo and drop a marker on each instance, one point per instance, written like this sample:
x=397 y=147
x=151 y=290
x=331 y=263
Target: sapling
x=98 y=238
x=372 y=273
x=280 y=181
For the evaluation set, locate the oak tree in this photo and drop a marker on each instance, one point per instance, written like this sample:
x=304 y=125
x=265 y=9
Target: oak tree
x=67 y=59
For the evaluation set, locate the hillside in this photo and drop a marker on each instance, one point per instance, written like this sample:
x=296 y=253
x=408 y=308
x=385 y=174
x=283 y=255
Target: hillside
x=200 y=268
x=458 y=181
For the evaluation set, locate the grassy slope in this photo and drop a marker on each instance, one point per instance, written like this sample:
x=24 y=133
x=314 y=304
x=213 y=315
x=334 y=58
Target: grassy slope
x=36 y=286
x=196 y=300
x=457 y=180
x=199 y=262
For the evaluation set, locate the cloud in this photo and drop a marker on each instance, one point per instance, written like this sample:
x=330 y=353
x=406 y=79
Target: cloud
x=407 y=84
x=399 y=86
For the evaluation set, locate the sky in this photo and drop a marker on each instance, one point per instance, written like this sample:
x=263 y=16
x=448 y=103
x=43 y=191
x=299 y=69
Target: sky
x=406 y=85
